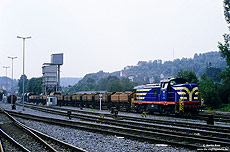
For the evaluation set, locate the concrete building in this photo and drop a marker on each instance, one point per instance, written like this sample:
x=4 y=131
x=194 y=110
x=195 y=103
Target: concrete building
x=51 y=74
x=49 y=78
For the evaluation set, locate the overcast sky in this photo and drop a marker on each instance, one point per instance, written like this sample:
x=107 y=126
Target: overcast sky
x=106 y=35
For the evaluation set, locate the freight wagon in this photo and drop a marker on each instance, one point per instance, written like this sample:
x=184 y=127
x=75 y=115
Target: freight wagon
x=170 y=96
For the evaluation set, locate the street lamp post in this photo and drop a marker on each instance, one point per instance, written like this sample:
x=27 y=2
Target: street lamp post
x=23 y=75
x=12 y=90
x=6 y=67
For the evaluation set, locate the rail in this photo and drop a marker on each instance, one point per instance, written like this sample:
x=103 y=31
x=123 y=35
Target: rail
x=130 y=131
x=40 y=137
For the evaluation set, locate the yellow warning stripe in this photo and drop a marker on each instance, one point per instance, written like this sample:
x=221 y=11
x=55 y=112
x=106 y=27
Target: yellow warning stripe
x=187 y=90
x=183 y=98
x=140 y=97
x=141 y=94
x=143 y=90
x=181 y=93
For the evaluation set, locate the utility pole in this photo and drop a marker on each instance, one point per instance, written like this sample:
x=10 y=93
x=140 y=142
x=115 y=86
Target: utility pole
x=12 y=87
x=23 y=73
x=6 y=67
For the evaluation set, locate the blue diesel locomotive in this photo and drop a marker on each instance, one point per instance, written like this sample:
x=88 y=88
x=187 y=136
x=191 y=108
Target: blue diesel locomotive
x=171 y=96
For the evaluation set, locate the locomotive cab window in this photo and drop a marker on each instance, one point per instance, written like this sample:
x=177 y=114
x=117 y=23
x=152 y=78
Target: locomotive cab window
x=165 y=85
x=173 y=83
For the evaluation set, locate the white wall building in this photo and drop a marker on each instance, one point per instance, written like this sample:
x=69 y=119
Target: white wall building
x=49 y=78
x=51 y=74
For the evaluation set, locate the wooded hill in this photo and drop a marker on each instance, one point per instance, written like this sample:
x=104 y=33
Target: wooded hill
x=149 y=72
x=154 y=71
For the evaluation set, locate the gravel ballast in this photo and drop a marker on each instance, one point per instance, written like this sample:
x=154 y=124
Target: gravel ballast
x=93 y=142
x=89 y=141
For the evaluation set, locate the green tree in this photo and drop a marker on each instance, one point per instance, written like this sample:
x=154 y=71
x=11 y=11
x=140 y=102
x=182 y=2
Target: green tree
x=127 y=85
x=34 y=85
x=114 y=86
x=20 y=84
x=188 y=75
x=209 y=91
x=213 y=73
x=157 y=79
x=101 y=85
x=225 y=53
x=91 y=84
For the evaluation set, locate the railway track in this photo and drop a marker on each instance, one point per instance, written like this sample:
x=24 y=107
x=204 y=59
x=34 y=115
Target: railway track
x=8 y=143
x=217 y=117
x=132 y=118
x=18 y=135
x=152 y=132
x=201 y=116
x=1 y=147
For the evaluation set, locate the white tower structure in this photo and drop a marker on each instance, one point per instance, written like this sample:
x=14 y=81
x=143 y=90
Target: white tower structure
x=51 y=73
x=49 y=79
x=57 y=59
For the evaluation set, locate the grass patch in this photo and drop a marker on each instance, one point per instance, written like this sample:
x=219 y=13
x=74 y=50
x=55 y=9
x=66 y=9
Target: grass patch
x=224 y=108
x=221 y=108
